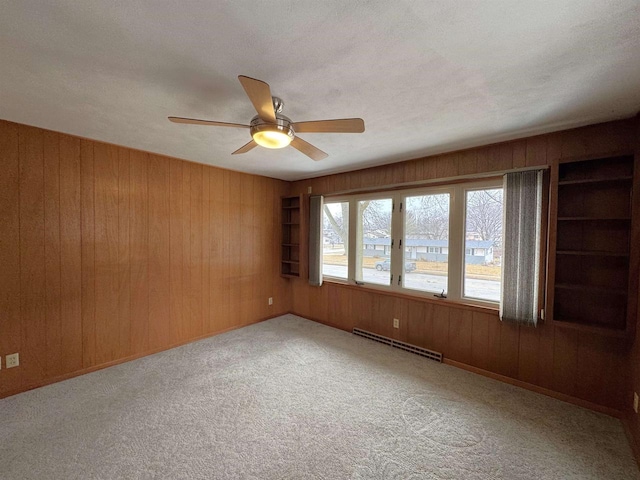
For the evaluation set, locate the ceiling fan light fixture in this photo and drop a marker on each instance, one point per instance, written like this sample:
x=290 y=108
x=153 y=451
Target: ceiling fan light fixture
x=271 y=129
x=272 y=135
x=272 y=138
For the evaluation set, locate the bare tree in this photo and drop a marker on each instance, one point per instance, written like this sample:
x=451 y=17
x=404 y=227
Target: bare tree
x=340 y=223
x=484 y=214
x=376 y=217
x=428 y=216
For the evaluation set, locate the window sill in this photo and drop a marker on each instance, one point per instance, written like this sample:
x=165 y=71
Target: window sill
x=418 y=296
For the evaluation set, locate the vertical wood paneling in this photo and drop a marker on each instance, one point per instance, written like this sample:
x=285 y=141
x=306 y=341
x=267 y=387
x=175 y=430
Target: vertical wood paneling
x=206 y=251
x=159 y=253
x=225 y=284
x=413 y=323
x=519 y=148
x=262 y=254
x=109 y=253
x=10 y=280
x=529 y=353
x=440 y=339
x=124 y=257
x=447 y=165
x=233 y=244
x=565 y=360
x=467 y=162
x=51 y=153
x=125 y=212
x=106 y=253
x=195 y=264
x=139 y=250
x=460 y=335
x=176 y=253
x=509 y=349
x=188 y=299
x=32 y=254
x=70 y=254
x=88 y=254
x=217 y=261
x=245 y=253
x=546 y=356
x=480 y=340
x=536 y=153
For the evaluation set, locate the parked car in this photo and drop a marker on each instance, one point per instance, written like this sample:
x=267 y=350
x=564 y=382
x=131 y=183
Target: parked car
x=386 y=266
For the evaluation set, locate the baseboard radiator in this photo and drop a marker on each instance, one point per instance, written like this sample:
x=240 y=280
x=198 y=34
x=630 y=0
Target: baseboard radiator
x=423 y=352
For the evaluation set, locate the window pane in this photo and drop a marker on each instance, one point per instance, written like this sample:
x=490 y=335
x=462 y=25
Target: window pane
x=335 y=239
x=373 y=248
x=426 y=243
x=483 y=244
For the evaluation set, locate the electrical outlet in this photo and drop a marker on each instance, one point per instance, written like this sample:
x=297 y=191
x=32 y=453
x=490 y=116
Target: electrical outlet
x=635 y=402
x=270 y=300
x=309 y=189
x=396 y=323
x=12 y=360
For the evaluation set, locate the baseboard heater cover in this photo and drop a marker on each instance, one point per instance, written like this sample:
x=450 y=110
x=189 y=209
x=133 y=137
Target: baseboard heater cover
x=424 y=352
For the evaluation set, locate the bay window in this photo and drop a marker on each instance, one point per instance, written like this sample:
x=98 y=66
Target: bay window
x=440 y=240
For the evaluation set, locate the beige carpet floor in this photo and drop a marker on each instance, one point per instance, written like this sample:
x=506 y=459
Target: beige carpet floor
x=293 y=399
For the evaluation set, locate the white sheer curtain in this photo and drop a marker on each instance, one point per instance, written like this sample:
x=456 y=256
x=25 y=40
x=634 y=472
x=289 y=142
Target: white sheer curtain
x=521 y=247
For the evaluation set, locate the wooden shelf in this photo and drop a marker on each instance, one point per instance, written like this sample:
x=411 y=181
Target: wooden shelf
x=594 y=219
x=290 y=222
x=588 y=328
x=591 y=250
x=591 y=253
x=596 y=181
x=591 y=289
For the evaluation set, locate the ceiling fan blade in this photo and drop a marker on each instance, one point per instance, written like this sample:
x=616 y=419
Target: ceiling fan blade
x=245 y=148
x=260 y=95
x=193 y=121
x=314 y=153
x=344 y=125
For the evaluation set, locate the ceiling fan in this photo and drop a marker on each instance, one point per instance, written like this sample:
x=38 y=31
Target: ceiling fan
x=271 y=129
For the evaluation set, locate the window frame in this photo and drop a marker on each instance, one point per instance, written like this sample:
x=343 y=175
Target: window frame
x=331 y=278
x=353 y=236
x=456 y=243
x=475 y=187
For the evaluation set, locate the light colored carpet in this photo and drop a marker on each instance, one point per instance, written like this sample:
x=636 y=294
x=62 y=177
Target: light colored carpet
x=293 y=399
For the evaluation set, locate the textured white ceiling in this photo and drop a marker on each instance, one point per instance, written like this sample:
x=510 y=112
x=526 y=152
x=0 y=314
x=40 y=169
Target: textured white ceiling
x=426 y=76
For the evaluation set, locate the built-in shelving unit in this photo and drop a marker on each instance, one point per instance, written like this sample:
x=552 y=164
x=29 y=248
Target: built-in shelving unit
x=290 y=244
x=592 y=244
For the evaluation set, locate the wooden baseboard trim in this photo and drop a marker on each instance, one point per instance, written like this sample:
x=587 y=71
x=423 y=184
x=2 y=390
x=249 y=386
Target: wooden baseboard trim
x=95 y=368
x=323 y=322
x=535 y=388
x=511 y=381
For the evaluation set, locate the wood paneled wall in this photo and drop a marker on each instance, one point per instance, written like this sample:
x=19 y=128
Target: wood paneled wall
x=578 y=364
x=632 y=418
x=109 y=253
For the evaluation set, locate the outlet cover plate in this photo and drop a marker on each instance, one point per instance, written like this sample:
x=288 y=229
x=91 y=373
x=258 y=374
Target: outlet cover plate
x=396 y=323
x=12 y=360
